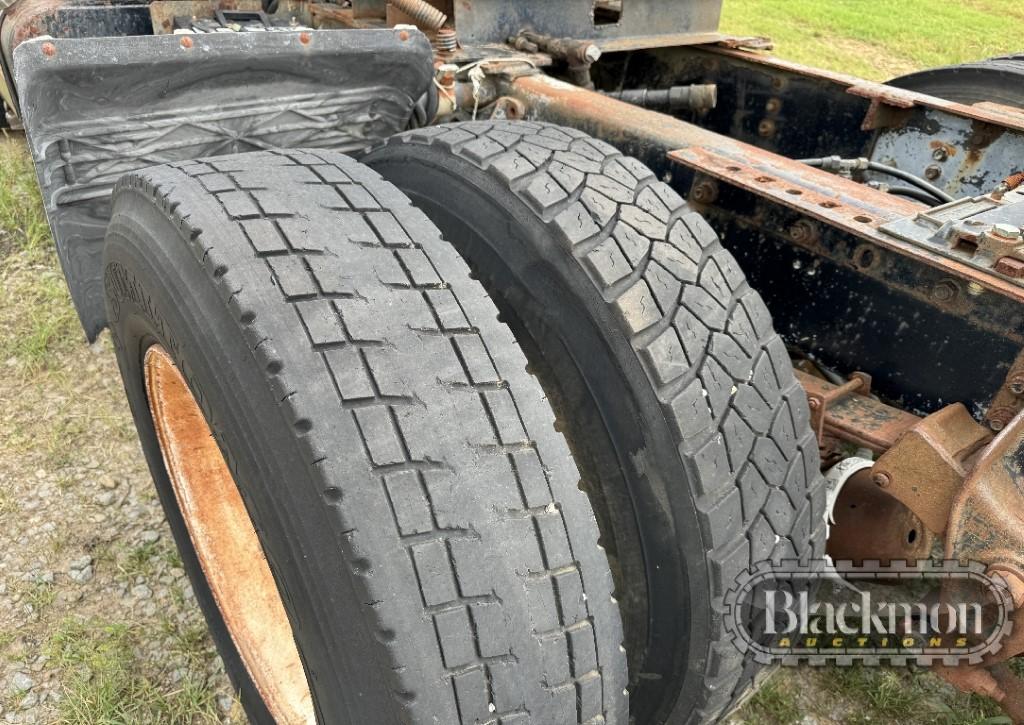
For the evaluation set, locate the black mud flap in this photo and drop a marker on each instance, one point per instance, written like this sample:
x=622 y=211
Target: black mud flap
x=95 y=108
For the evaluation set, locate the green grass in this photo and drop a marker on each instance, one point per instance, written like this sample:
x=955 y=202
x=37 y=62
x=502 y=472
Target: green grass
x=879 y=39
x=22 y=221
x=775 y=702
x=36 y=316
x=864 y=696
x=39 y=595
x=148 y=559
x=106 y=683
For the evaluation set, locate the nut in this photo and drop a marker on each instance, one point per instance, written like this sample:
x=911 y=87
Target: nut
x=999 y=418
x=933 y=172
x=803 y=231
x=446 y=74
x=511 y=108
x=705 y=191
x=1005 y=231
x=945 y=291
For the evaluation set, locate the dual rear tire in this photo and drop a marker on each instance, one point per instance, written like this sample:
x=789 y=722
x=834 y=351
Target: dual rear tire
x=677 y=397
x=419 y=521
x=418 y=512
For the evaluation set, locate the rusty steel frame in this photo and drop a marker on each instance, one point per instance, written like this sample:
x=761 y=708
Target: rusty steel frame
x=883 y=96
x=819 y=195
x=926 y=467
x=986 y=523
x=853 y=416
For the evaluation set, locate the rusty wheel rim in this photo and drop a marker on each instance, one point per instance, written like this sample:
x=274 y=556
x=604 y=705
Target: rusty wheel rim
x=226 y=544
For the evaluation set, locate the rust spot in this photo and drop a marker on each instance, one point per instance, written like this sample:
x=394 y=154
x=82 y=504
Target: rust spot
x=948 y=148
x=49 y=50
x=28 y=18
x=982 y=136
x=403 y=35
x=304 y=38
x=1010 y=267
x=186 y=42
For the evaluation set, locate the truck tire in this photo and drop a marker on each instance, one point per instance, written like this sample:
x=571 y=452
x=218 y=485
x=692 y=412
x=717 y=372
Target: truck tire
x=375 y=435
x=995 y=80
x=675 y=393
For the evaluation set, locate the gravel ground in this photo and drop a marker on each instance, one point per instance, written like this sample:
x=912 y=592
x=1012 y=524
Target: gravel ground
x=98 y=620
x=98 y=623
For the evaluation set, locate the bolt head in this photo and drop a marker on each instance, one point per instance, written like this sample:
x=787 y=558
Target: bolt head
x=944 y=291
x=974 y=289
x=940 y=154
x=592 y=53
x=1017 y=387
x=881 y=480
x=933 y=172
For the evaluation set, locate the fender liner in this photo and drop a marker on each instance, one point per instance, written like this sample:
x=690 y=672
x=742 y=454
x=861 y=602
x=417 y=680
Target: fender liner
x=97 y=108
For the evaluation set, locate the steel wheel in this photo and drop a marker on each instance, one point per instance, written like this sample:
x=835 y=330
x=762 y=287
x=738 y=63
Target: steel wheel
x=226 y=543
